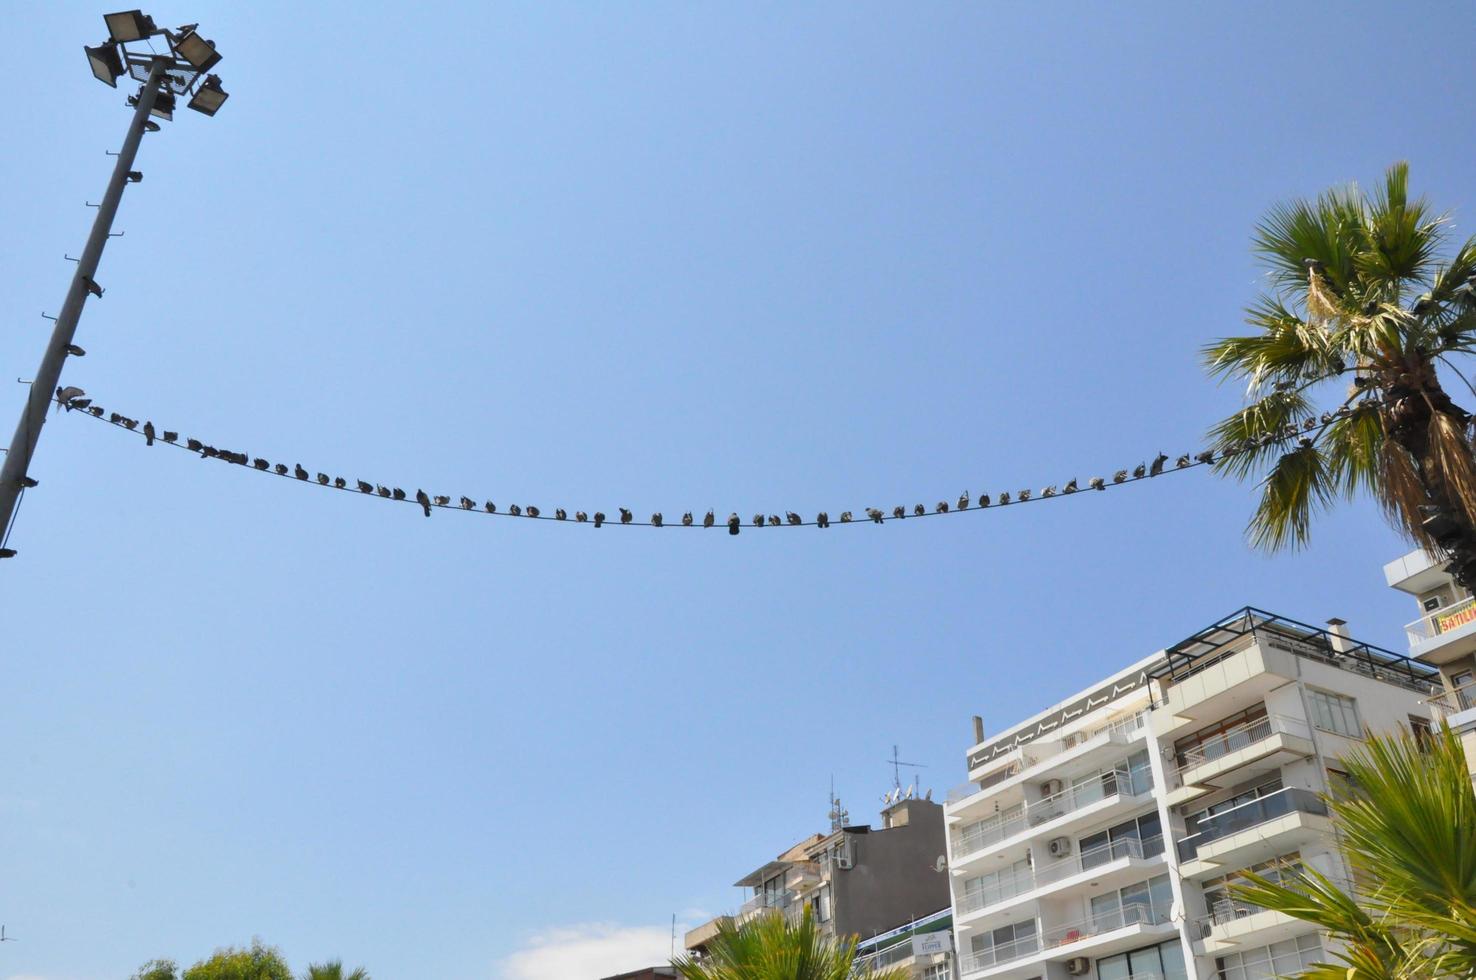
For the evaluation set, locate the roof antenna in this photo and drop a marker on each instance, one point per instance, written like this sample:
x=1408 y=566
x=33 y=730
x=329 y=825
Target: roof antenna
x=839 y=818
x=897 y=765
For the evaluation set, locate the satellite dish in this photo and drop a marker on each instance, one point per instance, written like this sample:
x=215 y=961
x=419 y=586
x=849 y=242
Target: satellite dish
x=911 y=791
x=941 y=864
x=928 y=796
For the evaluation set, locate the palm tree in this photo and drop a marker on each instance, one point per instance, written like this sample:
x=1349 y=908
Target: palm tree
x=1357 y=288
x=771 y=947
x=333 y=970
x=1409 y=834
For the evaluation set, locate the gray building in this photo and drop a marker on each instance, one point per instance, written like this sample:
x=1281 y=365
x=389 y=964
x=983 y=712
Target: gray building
x=857 y=881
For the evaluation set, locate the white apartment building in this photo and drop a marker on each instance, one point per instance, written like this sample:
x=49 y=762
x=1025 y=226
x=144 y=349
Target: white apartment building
x=1098 y=837
x=1444 y=636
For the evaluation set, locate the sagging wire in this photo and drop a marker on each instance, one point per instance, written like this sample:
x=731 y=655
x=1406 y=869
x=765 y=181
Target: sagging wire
x=1304 y=431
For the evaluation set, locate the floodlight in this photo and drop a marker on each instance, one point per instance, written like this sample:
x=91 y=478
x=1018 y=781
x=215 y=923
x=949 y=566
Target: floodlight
x=163 y=106
x=106 y=64
x=196 y=50
x=210 y=96
x=129 y=25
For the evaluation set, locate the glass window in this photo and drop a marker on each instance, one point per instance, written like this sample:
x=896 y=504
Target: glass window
x=1104 y=906
x=1334 y=713
x=822 y=904
x=1173 y=961
x=1145 y=961
x=1162 y=962
x=1284 y=958
x=1140 y=776
x=1113 y=968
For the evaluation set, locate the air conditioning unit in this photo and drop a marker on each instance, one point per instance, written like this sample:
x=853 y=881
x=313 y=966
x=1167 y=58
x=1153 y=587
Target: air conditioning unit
x=1078 y=966
x=1050 y=787
x=1059 y=846
x=843 y=858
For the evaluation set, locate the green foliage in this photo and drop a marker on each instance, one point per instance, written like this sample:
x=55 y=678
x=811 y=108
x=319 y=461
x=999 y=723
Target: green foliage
x=1409 y=834
x=770 y=947
x=157 y=970
x=257 y=963
x=333 y=970
x=1357 y=290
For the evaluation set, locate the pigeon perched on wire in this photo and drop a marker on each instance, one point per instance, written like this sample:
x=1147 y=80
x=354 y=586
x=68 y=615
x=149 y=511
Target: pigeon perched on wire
x=599 y=518
x=532 y=511
x=822 y=519
x=1158 y=462
x=469 y=504
x=261 y=464
x=281 y=470
x=365 y=487
x=397 y=493
x=687 y=519
x=919 y=510
x=65 y=396
x=194 y=445
x=656 y=519
x=580 y=516
x=515 y=510
x=1070 y=486
x=793 y=518
x=382 y=490
x=773 y=520
x=423 y=499
x=876 y=515
x=942 y=507
x=96 y=410
x=560 y=514
x=625 y=516
x=709 y=519
x=733 y=523
x=963 y=500
x=1004 y=498
x=845 y=517
x=1023 y=496
x=1208 y=456
x=148 y=433
x=1097 y=483
x=758 y=520
x=299 y=472
x=340 y=482
x=1140 y=471
x=1181 y=462
x=899 y=512
x=170 y=437
x=983 y=500
x=1049 y=491
x=442 y=500
x=1119 y=476
x=323 y=479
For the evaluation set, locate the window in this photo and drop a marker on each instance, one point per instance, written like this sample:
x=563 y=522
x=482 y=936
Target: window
x=1334 y=713
x=1192 y=821
x=1278 y=960
x=1162 y=962
x=1465 y=694
x=1008 y=941
x=1139 y=837
x=1227 y=735
x=1421 y=730
x=1145 y=901
x=822 y=904
x=938 y=971
x=996 y=886
x=1223 y=907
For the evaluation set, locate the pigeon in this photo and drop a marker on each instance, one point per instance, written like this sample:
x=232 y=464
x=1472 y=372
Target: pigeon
x=942 y=507
x=919 y=510
x=580 y=516
x=115 y=418
x=758 y=520
x=441 y=500
x=96 y=411
x=845 y=517
x=983 y=500
x=656 y=519
x=1139 y=471
x=625 y=516
x=822 y=519
x=78 y=403
x=709 y=519
x=1304 y=443
x=773 y=520
x=170 y=436
x=65 y=396
x=148 y=433
x=209 y=452
x=1158 y=462
x=793 y=518
x=323 y=479
x=193 y=445
x=515 y=510
x=1070 y=486
x=1097 y=483
x=299 y=472
x=382 y=490
x=733 y=523
x=899 y=512
x=1004 y=498
x=560 y=514
x=281 y=469
x=687 y=519
x=340 y=482
x=532 y=511
x=1119 y=476
x=1181 y=462
x=261 y=464
x=963 y=500
x=423 y=499
x=874 y=514
x=1023 y=496
x=1208 y=456
x=130 y=424
x=1049 y=491
x=599 y=518
x=1309 y=425
x=490 y=507
x=365 y=487
x=1327 y=418
x=397 y=493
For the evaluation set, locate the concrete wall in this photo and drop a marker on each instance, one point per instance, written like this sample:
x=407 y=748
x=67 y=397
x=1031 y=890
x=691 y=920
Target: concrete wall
x=893 y=880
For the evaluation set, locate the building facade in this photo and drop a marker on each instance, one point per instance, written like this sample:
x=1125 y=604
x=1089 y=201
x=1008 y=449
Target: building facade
x=1444 y=636
x=1099 y=838
x=856 y=881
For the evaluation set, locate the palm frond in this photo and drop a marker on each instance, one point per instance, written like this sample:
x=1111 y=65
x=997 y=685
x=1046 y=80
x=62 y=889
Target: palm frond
x=1353 y=444
x=1298 y=486
x=1254 y=424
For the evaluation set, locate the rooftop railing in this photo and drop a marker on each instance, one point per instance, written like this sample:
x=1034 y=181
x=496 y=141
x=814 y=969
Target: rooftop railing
x=1247 y=815
x=1441 y=620
x=1133 y=913
x=1239 y=737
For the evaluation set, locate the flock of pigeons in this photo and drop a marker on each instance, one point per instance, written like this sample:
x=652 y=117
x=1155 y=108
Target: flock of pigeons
x=75 y=399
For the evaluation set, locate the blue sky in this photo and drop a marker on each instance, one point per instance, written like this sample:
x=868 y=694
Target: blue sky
x=663 y=256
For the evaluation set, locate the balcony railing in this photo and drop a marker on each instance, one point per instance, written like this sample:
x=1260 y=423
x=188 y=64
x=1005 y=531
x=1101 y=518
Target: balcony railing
x=765 y=900
x=1462 y=698
x=1012 y=886
x=979 y=835
x=1247 y=815
x=1242 y=735
x=1003 y=953
x=1441 y=620
x=1134 y=913
x=1121 y=730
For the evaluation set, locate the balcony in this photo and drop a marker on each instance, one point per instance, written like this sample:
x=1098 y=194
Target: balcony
x=1106 y=866
x=1241 y=753
x=1444 y=634
x=1097 y=799
x=1098 y=935
x=1254 y=831
x=1456 y=708
x=703 y=934
x=985 y=962
x=764 y=902
x=1234 y=923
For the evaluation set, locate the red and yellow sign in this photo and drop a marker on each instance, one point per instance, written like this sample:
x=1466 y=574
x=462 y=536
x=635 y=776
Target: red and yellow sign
x=1447 y=623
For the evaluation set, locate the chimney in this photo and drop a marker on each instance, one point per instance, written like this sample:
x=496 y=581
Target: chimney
x=978 y=729
x=1338 y=635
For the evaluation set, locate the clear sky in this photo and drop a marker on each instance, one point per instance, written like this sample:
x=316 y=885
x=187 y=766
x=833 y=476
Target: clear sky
x=666 y=256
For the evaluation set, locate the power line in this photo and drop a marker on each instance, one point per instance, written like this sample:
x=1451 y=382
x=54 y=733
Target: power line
x=1304 y=431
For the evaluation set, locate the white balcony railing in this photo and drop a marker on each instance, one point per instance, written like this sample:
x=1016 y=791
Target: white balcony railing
x=983 y=833
x=765 y=900
x=1441 y=620
x=1121 y=731
x=1452 y=702
x=1014 y=885
x=1134 y=913
x=982 y=959
x=1242 y=735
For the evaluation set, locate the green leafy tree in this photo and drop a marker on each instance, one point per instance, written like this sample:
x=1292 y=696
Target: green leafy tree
x=1362 y=308
x=157 y=970
x=333 y=970
x=1409 y=834
x=770 y=947
x=260 y=962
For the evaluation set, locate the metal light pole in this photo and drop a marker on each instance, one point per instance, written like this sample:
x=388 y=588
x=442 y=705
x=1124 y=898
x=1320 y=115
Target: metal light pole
x=163 y=76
